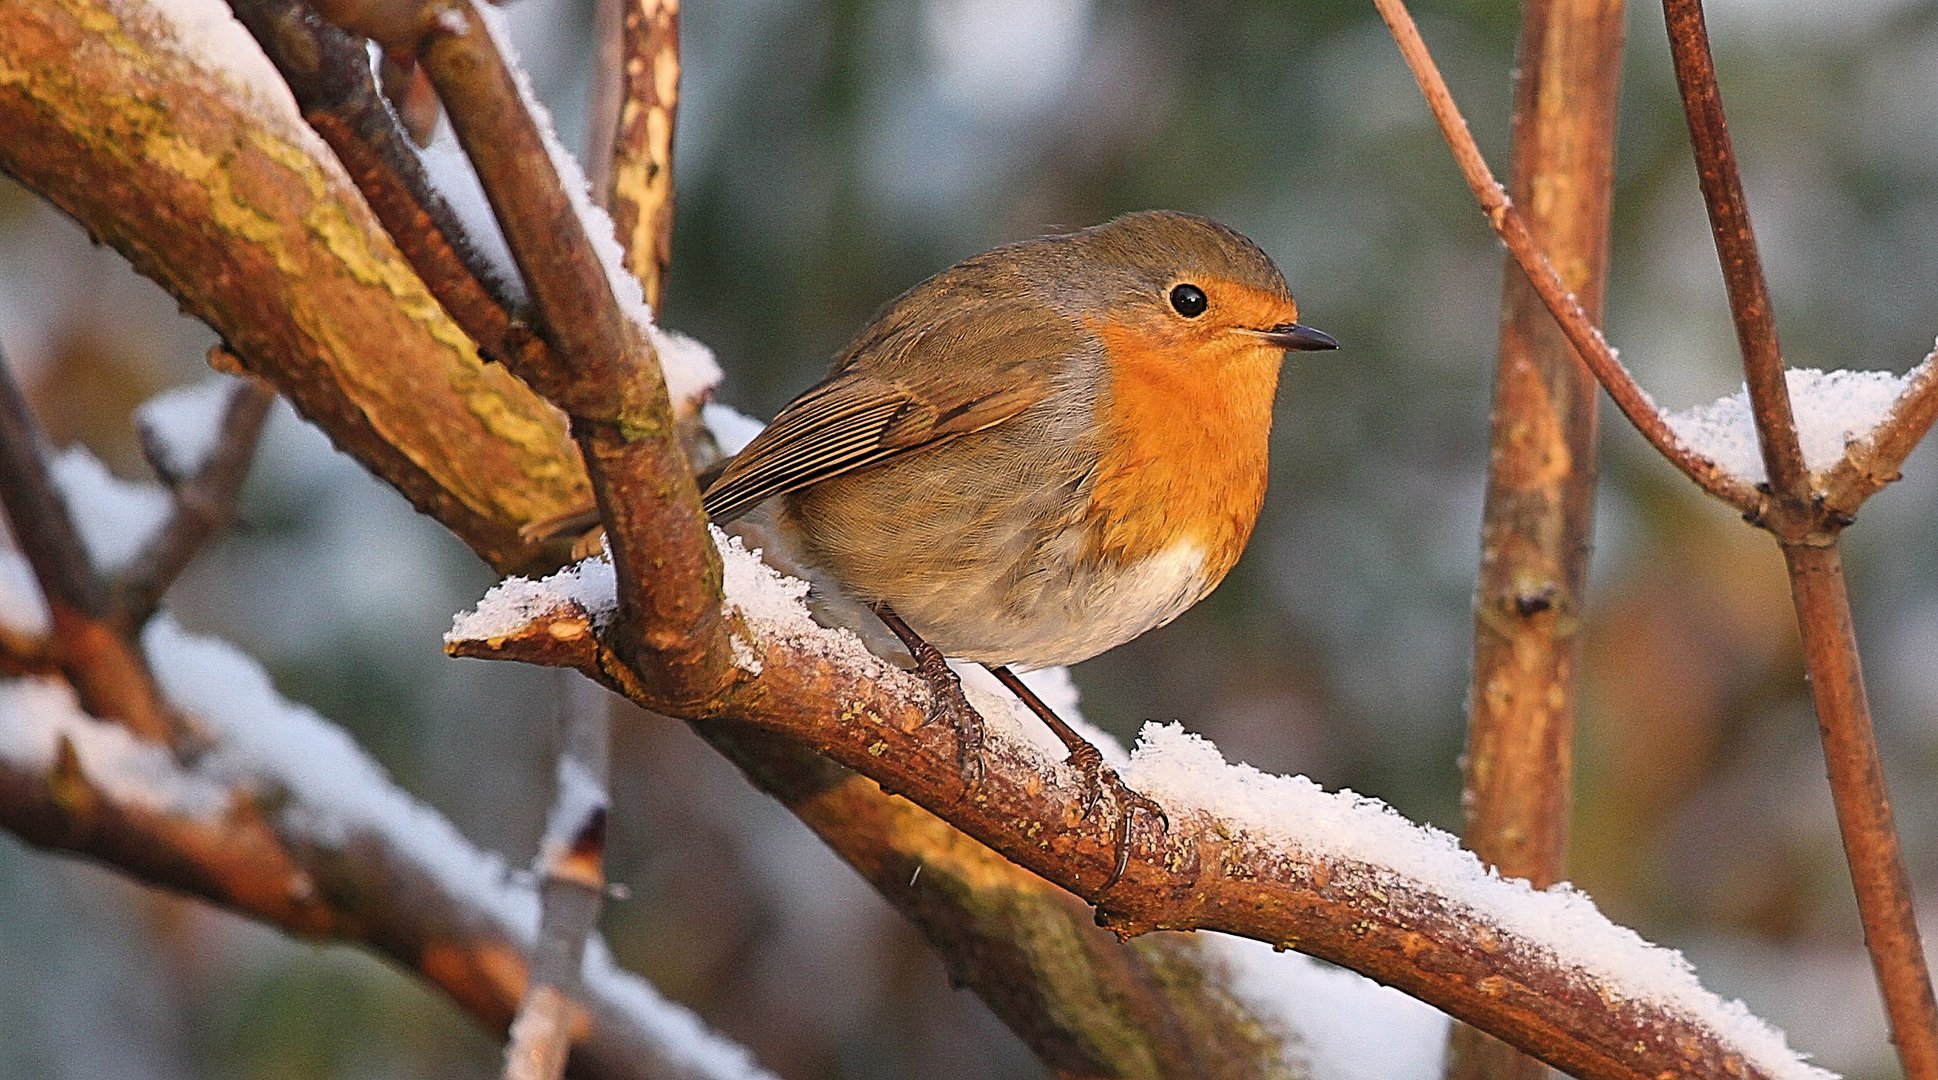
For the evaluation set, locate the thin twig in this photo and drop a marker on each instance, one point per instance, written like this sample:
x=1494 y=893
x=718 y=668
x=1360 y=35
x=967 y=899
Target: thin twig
x=1875 y=460
x=204 y=501
x=1808 y=533
x=572 y=882
x=1729 y=221
x=107 y=670
x=1857 y=788
x=1580 y=330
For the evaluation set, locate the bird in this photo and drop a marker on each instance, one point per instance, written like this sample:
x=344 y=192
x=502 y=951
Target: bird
x=1039 y=453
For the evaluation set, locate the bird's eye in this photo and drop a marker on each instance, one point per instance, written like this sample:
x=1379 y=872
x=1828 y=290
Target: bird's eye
x=1188 y=300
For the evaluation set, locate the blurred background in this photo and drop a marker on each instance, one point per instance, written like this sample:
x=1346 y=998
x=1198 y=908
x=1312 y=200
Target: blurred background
x=832 y=154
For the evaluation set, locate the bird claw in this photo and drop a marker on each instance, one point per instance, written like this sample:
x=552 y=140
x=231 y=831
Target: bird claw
x=1098 y=776
x=946 y=699
x=948 y=702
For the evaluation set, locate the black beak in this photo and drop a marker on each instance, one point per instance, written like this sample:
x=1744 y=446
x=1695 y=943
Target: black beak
x=1296 y=338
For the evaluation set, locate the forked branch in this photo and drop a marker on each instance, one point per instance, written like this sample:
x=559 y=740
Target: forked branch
x=204 y=501
x=86 y=635
x=1808 y=533
x=601 y=369
x=1582 y=333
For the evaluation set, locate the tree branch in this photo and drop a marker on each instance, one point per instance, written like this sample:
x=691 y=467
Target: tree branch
x=571 y=871
x=636 y=97
x=340 y=325
x=1807 y=533
x=605 y=375
x=1729 y=222
x=1873 y=461
x=244 y=834
x=329 y=73
x=108 y=674
x=205 y=501
x=1539 y=513
x=1567 y=311
x=1209 y=870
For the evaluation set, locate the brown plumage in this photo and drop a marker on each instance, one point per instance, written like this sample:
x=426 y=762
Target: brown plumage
x=1044 y=450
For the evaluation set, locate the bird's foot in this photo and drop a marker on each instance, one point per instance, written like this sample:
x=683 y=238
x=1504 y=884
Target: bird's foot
x=946 y=699
x=1099 y=777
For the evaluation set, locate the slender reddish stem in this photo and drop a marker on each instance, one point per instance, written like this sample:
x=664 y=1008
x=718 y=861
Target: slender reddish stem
x=1575 y=324
x=1807 y=533
x=1857 y=786
x=1729 y=220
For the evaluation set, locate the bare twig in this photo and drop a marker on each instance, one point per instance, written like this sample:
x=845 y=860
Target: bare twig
x=205 y=502
x=571 y=872
x=1539 y=514
x=106 y=669
x=1575 y=324
x=1808 y=534
x=636 y=99
x=1863 y=803
x=1729 y=221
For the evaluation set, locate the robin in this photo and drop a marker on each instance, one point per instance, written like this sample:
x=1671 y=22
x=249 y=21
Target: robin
x=1037 y=455
x=1041 y=452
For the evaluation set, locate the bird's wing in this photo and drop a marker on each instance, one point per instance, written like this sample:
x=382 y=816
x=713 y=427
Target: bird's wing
x=912 y=390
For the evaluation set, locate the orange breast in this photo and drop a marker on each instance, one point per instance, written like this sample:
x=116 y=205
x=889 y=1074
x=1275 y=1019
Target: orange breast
x=1189 y=418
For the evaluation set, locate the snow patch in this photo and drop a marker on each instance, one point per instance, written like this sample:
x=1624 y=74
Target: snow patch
x=774 y=608
x=22 y=608
x=1833 y=409
x=732 y=429
x=206 y=34
x=1335 y=1024
x=41 y=713
x=1183 y=770
x=513 y=603
x=115 y=518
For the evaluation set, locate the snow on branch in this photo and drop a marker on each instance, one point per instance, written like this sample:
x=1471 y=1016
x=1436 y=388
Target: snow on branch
x=285 y=819
x=1834 y=409
x=1273 y=858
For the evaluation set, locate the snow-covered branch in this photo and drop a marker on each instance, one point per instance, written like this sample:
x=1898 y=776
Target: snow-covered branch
x=1271 y=858
x=284 y=819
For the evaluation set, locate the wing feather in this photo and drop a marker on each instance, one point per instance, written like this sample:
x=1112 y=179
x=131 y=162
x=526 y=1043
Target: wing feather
x=907 y=390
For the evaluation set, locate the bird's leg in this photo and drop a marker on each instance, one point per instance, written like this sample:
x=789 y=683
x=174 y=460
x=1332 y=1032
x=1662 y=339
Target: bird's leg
x=1087 y=759
x=946 y=699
